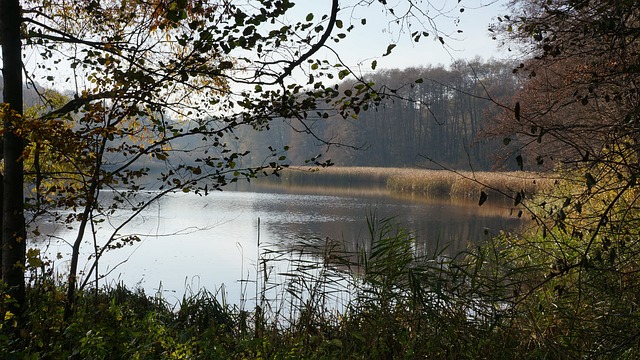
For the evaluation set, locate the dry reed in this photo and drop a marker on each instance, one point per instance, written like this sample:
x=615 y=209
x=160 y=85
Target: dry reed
x=429 y=183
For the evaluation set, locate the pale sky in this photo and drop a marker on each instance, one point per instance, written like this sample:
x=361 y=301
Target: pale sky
x=371 y=40
x=368 y=42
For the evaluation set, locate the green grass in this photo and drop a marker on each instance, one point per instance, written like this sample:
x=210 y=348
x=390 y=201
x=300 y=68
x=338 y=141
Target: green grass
x=400 y=306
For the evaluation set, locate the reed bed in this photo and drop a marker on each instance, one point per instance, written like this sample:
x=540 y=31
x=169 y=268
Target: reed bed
x=508 y=298
x=428 y=183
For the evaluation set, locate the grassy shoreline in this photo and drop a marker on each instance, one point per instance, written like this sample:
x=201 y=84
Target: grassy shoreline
x=549 y=292
x=429 y=183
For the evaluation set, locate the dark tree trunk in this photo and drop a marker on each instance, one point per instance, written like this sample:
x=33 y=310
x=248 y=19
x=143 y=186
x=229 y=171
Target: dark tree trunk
x=13 y=226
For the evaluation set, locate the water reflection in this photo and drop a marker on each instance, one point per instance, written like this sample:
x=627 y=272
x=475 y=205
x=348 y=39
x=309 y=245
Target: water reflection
x=436 y=223
x=190 y=241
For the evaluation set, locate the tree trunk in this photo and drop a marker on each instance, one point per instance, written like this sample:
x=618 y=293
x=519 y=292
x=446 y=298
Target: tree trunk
x=13 y=226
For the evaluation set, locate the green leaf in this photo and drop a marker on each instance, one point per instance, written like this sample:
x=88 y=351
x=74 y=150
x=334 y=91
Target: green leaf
x=374 y=64
x=343 y=73
x=389 y=49
x=517 y=111
x=419 y=81
x=506 y=141
x=309 y=17
x=33 y=258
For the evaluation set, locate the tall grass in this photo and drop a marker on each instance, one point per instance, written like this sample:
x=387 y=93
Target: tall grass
x=382 y=301
x=519 y=297
x=430 y=183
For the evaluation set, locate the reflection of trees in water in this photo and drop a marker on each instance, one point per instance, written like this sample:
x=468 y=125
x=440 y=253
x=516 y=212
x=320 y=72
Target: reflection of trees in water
x=433 y=235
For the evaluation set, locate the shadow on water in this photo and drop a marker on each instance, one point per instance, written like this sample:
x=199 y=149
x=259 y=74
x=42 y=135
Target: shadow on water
x=341 y=214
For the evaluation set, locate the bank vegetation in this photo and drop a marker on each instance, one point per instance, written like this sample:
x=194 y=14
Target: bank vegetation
x=461 y=185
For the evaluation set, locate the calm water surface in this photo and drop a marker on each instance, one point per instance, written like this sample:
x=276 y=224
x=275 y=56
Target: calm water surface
x=190 y=242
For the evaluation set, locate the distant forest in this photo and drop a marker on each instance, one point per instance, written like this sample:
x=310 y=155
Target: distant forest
x=444 y=119
x=433 y=116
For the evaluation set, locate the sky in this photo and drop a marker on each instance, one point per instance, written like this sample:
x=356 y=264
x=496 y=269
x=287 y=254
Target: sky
x=370 y=41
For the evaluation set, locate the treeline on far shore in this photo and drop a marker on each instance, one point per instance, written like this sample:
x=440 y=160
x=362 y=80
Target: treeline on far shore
x=431 y=115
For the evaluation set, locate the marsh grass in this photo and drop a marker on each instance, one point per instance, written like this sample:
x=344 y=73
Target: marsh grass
x=382 y=301
x=510 y=298
x=429 y=183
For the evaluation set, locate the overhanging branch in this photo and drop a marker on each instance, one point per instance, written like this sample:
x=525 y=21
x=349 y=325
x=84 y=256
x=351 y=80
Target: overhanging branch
x=317 y=46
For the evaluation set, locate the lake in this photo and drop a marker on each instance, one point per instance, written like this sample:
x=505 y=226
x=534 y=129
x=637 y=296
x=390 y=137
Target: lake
x=189 y=242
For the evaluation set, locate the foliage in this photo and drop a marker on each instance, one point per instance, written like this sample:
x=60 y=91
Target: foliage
x=156 y=94
x=575 y=280
x=399 y=307
x=579 y=101
x=513 y=295
x=576 y=113
x=157 y=97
